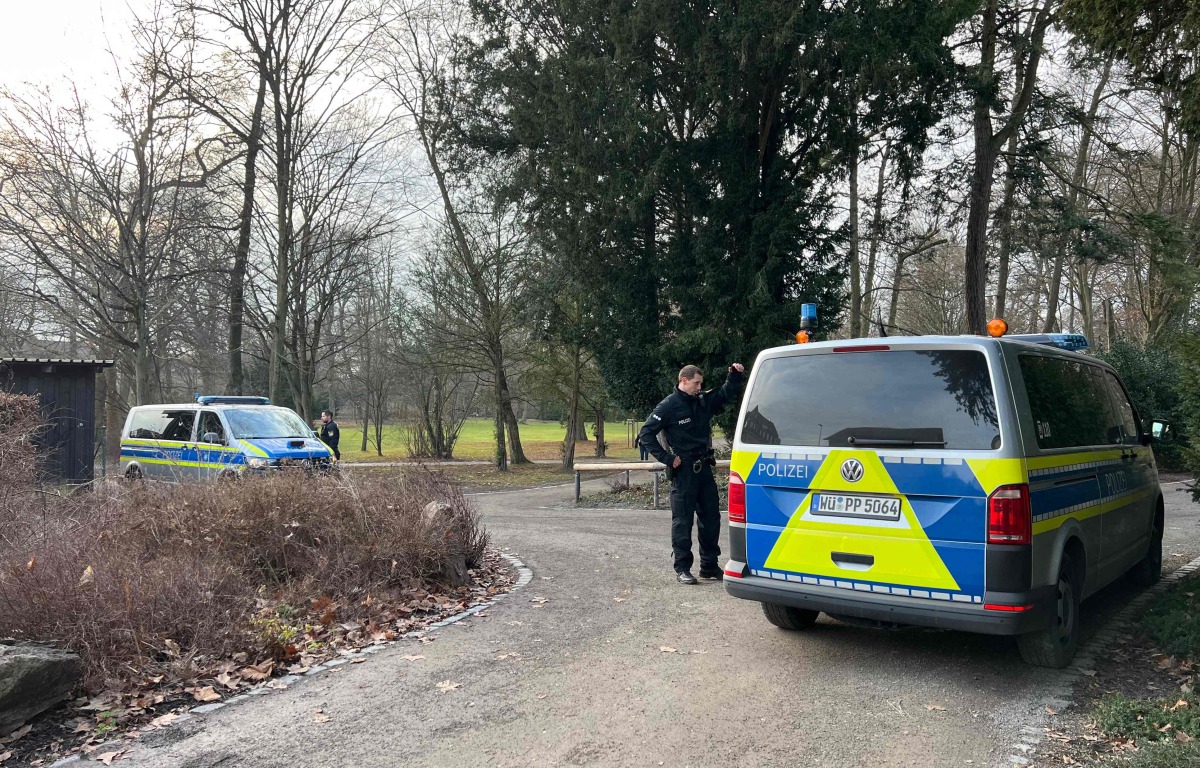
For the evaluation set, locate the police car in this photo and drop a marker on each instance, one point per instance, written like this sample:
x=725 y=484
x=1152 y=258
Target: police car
x=969 y=483
x=217 y=437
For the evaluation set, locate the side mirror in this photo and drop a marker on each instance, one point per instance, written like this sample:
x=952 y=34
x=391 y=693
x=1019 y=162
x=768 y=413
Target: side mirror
x=1161 y=431
x=212 y=437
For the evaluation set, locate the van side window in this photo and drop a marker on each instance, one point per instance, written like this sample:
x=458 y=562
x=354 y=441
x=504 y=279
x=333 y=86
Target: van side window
x=1067 y=408
x=1114 y=433
x=1126 y=416
x=148 y=424
x=179 y=425
x=211 y=422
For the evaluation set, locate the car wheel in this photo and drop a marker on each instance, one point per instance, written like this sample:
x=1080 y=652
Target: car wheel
x=1149 y=569
x=1054 y=646
x=787 y=617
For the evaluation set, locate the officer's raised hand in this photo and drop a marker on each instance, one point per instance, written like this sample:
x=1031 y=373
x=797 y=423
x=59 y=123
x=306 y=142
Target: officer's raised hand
x=737 y=367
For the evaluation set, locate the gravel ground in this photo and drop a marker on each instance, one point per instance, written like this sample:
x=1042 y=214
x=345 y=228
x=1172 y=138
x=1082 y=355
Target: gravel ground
x=605 y=660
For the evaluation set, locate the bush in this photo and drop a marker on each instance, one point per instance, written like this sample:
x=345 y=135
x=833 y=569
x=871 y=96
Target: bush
x=131 y=576
x=1189 y=388
x=20 y=419
x=1152 y=378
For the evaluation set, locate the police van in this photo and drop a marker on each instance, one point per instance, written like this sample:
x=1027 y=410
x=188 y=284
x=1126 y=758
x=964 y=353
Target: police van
x=217 y=436
x=968 y=483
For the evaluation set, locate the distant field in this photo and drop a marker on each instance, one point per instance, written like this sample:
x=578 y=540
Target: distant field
x=541 y=440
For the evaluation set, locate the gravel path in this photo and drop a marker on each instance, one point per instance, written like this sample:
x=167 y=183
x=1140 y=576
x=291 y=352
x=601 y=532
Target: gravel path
x=573 y=671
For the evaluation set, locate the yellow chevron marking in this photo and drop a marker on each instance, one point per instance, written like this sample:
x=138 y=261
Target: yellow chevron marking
x=903 y=553
x=742 y=462
x=993 y=473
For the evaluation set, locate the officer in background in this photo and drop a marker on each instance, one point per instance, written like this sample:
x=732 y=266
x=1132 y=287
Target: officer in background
x=685 y=416
x=330 y=434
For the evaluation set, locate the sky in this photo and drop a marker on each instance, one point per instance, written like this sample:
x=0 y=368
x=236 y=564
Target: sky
x=47 y=41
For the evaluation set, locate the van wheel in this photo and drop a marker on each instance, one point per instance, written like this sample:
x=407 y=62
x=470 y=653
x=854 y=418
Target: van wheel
x=1149 y=569
x=1055 y=645
x=787 y=617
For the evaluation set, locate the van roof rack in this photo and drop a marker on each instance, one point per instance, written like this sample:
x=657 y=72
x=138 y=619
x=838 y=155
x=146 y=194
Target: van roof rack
x=231 y=400
x=1075 y=342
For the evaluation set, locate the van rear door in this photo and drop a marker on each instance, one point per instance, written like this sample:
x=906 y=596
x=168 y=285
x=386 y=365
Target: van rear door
x=869 y=468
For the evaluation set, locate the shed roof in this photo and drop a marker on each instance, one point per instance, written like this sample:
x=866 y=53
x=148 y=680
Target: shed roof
x=54 y=361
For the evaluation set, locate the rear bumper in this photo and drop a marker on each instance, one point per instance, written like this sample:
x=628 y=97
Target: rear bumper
x=904 y=610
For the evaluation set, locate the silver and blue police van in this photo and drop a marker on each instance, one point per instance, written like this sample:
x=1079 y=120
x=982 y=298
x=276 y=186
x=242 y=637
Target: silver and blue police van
x=986 y=484
x=217 y=436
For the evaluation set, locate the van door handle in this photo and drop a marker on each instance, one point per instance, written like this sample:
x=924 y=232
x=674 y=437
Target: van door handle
x=849 y=558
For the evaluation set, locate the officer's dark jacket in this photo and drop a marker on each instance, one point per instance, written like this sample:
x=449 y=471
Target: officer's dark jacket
x=687 y=420
x=330 y=434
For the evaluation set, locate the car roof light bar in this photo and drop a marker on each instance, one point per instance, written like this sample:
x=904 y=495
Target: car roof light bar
x=1075 y=342
x=231 y=400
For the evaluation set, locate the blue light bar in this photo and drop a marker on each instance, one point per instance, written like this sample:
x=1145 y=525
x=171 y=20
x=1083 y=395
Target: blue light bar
x=808 y=316
x=1074 y=342
x=231 y=400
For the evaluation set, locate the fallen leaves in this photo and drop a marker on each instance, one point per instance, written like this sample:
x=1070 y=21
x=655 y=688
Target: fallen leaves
x=412 y=657
x=88 y=578
x=16 y=735
x=205 y=694
x=319 y=716
x=935 y=708
x=108 y=757
x=162 y=721
x=446 y=686
x=1050 y=711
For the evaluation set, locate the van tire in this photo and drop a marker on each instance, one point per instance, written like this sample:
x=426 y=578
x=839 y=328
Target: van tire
x=1054 y=646
x=1148 y=570
x=787 y=617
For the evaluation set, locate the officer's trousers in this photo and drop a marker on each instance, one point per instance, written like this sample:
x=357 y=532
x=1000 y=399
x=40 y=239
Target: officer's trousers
x=695 y=494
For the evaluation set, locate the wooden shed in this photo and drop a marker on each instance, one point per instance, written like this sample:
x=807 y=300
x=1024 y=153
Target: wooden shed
x=67 y=391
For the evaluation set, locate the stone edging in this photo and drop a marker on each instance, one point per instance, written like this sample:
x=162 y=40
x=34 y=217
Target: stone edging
x=524 y=576
x=1062 y=682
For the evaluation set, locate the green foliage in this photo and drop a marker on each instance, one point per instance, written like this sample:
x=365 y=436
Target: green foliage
x=1152 y=378
x=1169 y=755
x=1120 y=717
x=1189 y=391
x=680 y=158
x=1174 y=620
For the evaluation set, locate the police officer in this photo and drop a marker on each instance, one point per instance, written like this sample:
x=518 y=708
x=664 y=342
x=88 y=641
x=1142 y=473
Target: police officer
x=685 y=416
x=330 y=434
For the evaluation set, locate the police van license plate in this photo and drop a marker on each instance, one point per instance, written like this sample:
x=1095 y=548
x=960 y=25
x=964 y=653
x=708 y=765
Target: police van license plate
x=844 y=505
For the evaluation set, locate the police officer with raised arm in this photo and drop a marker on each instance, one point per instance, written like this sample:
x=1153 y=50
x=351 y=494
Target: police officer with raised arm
x=685 y=416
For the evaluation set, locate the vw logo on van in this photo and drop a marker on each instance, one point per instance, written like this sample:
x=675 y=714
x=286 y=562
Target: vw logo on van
x=852 y=470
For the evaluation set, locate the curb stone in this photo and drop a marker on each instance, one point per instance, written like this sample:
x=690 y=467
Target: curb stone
x=524 y=576
x=1060 y=683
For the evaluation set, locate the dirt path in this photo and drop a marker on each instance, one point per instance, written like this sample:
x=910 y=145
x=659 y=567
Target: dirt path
x=582 y=678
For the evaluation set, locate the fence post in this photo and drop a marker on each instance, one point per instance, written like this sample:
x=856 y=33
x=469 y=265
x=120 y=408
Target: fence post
x=577 y=486
x=656 y=490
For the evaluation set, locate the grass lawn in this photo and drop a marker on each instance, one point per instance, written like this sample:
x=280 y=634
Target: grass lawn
x=541 y=440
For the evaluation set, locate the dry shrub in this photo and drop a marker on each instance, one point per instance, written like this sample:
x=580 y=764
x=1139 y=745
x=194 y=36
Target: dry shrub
x=20 y=419
x=113 y=575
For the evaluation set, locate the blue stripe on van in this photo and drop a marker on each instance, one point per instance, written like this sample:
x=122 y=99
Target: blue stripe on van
x=941 y=479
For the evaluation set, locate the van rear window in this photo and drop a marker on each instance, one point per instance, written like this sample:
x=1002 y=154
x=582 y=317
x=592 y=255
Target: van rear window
x=882 y=399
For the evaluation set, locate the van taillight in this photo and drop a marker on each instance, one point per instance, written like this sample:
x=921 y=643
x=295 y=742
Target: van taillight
x=1010 y=520
x=737 y=498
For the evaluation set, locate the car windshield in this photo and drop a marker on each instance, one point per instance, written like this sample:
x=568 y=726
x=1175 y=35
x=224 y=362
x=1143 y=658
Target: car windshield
x=251 y=423
x=923 y=399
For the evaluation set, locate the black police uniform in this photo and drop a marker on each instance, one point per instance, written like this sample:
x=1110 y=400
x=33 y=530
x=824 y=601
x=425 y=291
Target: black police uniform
x=687 y=421
x=330 y=434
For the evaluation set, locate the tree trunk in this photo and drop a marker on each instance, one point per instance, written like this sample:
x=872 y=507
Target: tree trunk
x=499 y=423
x=515 y=450
x=601 y=448
x=868 y=296
x=241 y=255
x=572 y=412
x=856 y=290
x=283 y=250
x=1005 y=227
